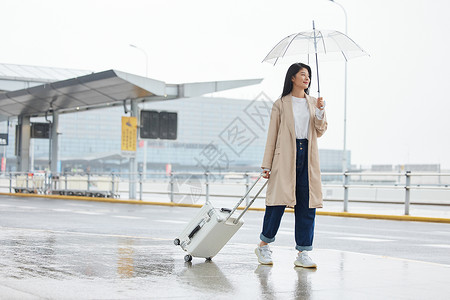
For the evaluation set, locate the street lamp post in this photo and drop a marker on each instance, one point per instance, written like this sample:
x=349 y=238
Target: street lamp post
x=144 y=163
x=146 y=58
x=344 y=156
x=344 y=150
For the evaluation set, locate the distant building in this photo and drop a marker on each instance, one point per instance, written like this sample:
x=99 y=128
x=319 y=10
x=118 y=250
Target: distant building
x=419 y=167
x=404 y=168
x=382 y=168
x=331 y=160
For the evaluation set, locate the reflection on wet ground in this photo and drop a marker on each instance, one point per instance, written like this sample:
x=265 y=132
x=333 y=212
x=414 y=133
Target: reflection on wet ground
x=36 y=264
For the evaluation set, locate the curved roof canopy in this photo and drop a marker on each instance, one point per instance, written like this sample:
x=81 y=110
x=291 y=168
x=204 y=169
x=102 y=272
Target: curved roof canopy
x=103 y=89
x=37 y=73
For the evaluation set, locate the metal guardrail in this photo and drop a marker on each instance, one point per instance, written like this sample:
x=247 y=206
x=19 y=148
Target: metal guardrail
x=407 y=186
x=107 y=184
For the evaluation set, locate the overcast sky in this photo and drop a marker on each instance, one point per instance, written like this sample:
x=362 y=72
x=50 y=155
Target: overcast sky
x=398 y=106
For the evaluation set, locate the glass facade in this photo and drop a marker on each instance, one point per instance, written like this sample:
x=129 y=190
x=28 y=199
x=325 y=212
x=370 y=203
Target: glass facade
x=214 y=134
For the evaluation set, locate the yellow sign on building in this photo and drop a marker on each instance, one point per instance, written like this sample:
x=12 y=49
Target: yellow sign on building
x=129 y=133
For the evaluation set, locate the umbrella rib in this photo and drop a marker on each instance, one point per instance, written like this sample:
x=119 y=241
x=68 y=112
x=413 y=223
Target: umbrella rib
x=287 y=47
x=272 y=50
x=342 y=51
x=323 y=42
x=357 y=45
x=362 y=50
x=345 y=56
x=308 y=49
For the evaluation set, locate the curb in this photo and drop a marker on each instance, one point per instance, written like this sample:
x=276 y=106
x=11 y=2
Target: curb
x=290 y=210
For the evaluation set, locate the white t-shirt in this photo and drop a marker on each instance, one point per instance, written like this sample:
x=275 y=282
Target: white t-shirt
x=301 y=117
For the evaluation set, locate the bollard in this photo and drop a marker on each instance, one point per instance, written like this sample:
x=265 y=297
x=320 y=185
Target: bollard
x=247 y=184
x=113 y=194
x=171 y=186
x=140 y=186
x=88 y=180
x=407 y=191
x=55 y=180
x=346 y=191
x=46 y=183
x=207 y=186
x=10 y=183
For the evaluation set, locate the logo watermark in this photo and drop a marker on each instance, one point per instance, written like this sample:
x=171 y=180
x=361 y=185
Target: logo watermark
x=186 y=190
x=232 y=142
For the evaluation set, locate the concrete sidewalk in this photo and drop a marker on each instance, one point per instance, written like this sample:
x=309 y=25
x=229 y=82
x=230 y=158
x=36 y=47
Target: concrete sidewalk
x=44 y=264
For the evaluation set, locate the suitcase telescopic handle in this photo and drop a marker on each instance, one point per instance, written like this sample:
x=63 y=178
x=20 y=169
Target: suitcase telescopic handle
x=250 y=203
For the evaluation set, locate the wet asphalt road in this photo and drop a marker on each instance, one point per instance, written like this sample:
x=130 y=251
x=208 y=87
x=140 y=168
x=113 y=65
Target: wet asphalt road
x=411 y=240
x=61 y=247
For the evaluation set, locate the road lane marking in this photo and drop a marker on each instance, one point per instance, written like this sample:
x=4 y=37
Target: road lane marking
x=128 y=217
x=77 y=211
x=7 y=290
x=87 y=233
x=403 y=231
x=246 y=228
x=361 y=239
x=26 y=207
x=171 y=221
x=440 y=232
x=438 y=245
x=389 y=257
x=62 y=210
x=87 y=212
x=79 y=204
x=352 y=252
x=374 y=236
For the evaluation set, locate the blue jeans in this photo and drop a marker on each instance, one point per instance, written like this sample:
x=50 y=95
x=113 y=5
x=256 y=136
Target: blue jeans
x=304 y=216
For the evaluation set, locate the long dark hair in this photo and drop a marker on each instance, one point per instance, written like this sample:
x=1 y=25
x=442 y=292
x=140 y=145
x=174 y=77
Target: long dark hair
x=294 y=69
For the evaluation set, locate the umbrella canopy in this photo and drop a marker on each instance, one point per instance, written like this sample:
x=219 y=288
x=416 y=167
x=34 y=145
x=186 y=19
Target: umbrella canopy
x=327 y=41
x=316 y=42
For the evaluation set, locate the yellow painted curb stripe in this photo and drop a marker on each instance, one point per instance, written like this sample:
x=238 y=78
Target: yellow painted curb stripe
x=322 y=213
x=384 y=217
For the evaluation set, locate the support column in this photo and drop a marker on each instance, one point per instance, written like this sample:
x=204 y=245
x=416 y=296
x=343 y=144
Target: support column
x=144 y=164
x=23 y=144
x=55 y=144
x=133 y=161
x=32 y=155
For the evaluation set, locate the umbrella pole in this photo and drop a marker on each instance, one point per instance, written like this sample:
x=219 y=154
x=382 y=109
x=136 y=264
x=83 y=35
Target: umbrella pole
x=318 y=85
x=317 y=61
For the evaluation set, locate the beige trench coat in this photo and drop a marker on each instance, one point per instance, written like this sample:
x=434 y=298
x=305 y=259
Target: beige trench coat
x=280 y=154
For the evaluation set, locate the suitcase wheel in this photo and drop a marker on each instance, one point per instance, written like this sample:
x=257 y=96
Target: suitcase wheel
x=187 y=258
x=176 y=242
x=208 y=259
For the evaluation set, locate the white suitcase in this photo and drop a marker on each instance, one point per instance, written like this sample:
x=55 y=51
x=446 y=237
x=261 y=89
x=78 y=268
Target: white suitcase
x=212 y=228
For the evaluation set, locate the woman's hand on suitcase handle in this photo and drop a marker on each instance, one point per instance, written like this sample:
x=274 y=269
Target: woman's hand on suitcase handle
x=266 y=173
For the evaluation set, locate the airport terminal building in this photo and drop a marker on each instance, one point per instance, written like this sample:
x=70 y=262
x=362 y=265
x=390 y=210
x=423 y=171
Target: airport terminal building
x=213 y=134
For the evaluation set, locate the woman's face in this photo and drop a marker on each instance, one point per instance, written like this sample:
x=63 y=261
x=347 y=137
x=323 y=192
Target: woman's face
x=301 y=79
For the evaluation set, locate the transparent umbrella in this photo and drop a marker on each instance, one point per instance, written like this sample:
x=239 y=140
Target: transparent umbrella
x=316 y=42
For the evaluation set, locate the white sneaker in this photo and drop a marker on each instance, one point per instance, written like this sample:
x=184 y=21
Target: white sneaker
x=303 y=260
x=264 y=255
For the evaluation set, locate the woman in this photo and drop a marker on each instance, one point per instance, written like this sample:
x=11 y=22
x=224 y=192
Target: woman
x=291 y=161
